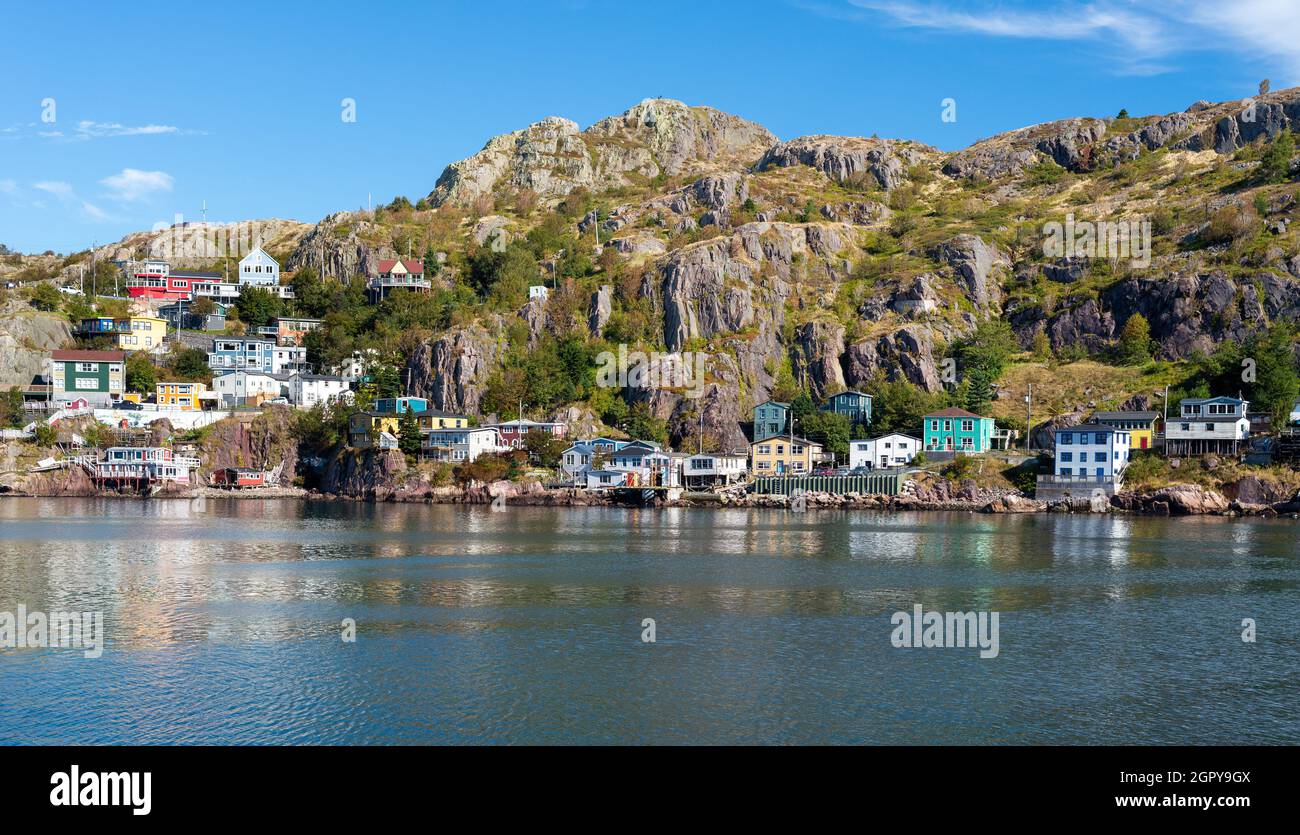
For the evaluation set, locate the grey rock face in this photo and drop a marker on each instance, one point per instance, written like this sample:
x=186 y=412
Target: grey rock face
x=602 y=305
x=849 y=159
x=816 y=356
x=553 y=157
x=452 y=369
x=1066 y=142
x=974 y=262
x=338 y=247
x=907 y=354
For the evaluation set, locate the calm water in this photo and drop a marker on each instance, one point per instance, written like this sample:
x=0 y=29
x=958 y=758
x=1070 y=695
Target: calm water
x=524 y=626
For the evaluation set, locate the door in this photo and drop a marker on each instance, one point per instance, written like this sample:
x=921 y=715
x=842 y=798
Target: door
x=1144 y=441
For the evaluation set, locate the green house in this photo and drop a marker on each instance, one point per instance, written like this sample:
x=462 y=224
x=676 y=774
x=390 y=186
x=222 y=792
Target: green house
x=854 y=405
x=957 y=430
x=770 y=418
x=98 y=377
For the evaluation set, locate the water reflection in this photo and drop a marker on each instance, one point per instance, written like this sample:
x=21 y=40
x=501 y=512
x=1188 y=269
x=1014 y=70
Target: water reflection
x=524 y=625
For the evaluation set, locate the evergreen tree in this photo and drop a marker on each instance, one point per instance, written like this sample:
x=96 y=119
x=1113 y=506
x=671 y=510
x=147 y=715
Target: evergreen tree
x=1275 y=164
x=408 y=437
x=1135 y=340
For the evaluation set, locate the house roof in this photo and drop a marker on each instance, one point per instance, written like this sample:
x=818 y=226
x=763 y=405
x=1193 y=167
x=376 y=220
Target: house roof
x=1088 y=427
x=413 y=265
x=195 y=274
x=953 y=411
x=88 y=356
x=1220 y=399
x=774 y=403
x=784 y=437
x=850 y=391
x=1208 y=419
x=1125 y=415
x=888 y=435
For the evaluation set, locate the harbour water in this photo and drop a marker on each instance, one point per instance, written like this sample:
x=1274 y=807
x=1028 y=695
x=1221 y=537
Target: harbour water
x=223 y=623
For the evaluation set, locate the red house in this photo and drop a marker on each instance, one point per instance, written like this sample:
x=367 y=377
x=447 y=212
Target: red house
x=235 y=478
x=157 y=280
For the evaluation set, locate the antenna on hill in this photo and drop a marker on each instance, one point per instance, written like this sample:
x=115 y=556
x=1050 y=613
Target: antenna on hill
x=205 y=211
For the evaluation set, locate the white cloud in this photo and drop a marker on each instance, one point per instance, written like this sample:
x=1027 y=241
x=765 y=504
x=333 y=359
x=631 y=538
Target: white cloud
x=58 y=188
x=1142 y=38
x=87 y=129
x=133 y=184
x=67 y=196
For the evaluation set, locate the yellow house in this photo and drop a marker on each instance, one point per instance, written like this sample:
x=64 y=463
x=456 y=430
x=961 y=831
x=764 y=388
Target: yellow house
x=364 y=426
x=1141 y=426
x=141 y=333
x=187 y=397
x=783 y=455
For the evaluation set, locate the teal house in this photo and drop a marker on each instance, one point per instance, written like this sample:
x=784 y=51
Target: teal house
x=854 y=405
x=957 y=430
x=771 y=418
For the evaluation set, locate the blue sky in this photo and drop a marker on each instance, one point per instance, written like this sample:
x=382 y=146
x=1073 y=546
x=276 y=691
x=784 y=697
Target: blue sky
x=160 y=106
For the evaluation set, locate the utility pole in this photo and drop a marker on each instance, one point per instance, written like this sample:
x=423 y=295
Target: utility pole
x=1029 y=420
x=700 y=442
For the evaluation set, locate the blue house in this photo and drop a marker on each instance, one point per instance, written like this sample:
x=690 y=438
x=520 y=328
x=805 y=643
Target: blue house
x=240 y=354
x=398 y=405
x=854 y=405
x=770 y=418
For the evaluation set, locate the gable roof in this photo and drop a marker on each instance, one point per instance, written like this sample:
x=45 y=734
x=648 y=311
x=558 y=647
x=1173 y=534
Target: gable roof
x=1148 y=416
x=1088 y=427
x=88 y=356
x=783 y=437
x=773 y=403
x=1220 y=399
x=953 y=411
x=854 y=392
x=413 y=265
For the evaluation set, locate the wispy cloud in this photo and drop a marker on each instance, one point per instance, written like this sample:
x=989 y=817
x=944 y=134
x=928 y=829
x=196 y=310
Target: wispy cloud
x=133 y=184
x=58 y=188
x=87 y=130
x=67 y=196
x=1140 y=38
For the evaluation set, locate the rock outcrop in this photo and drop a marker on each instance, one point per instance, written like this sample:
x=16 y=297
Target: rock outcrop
x=343 y=245
x=552 y=158
x=879 y=163
x=453 y=368
x=26 y=338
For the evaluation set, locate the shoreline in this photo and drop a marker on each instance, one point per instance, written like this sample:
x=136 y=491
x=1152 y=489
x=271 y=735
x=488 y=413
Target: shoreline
x=1154 y=504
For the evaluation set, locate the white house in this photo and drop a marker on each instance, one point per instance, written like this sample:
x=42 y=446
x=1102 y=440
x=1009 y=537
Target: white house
x=458 y=445
x=576 y=458
x=1092 y=452
x=286 y=359
x=538 y=291
x=1207 y=425
x=709 y=468
x=258 y=268
x=307 y=390
x=607 y=478
x=892 y=450
x=238 y=387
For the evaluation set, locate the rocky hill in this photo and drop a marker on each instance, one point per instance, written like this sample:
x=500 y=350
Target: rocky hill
x=828 y=261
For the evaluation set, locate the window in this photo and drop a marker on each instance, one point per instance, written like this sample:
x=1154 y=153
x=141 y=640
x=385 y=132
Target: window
x=87 y=368
x=1209 y=427
x=1186 y=427
x=1101 y=438
x=764 y=449
x=1099 y=456
x=1067 y=456
x=947 y=425
x=968 y=426
x=85 y=383
x=934 y=425
x=1065 y=438
x=1065 y=471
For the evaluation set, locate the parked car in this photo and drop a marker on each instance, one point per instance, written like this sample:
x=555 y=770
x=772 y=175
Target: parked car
x=860 y=471
x=823 y=471
x=276 y=401
x=843 y=470
x=128 y=405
